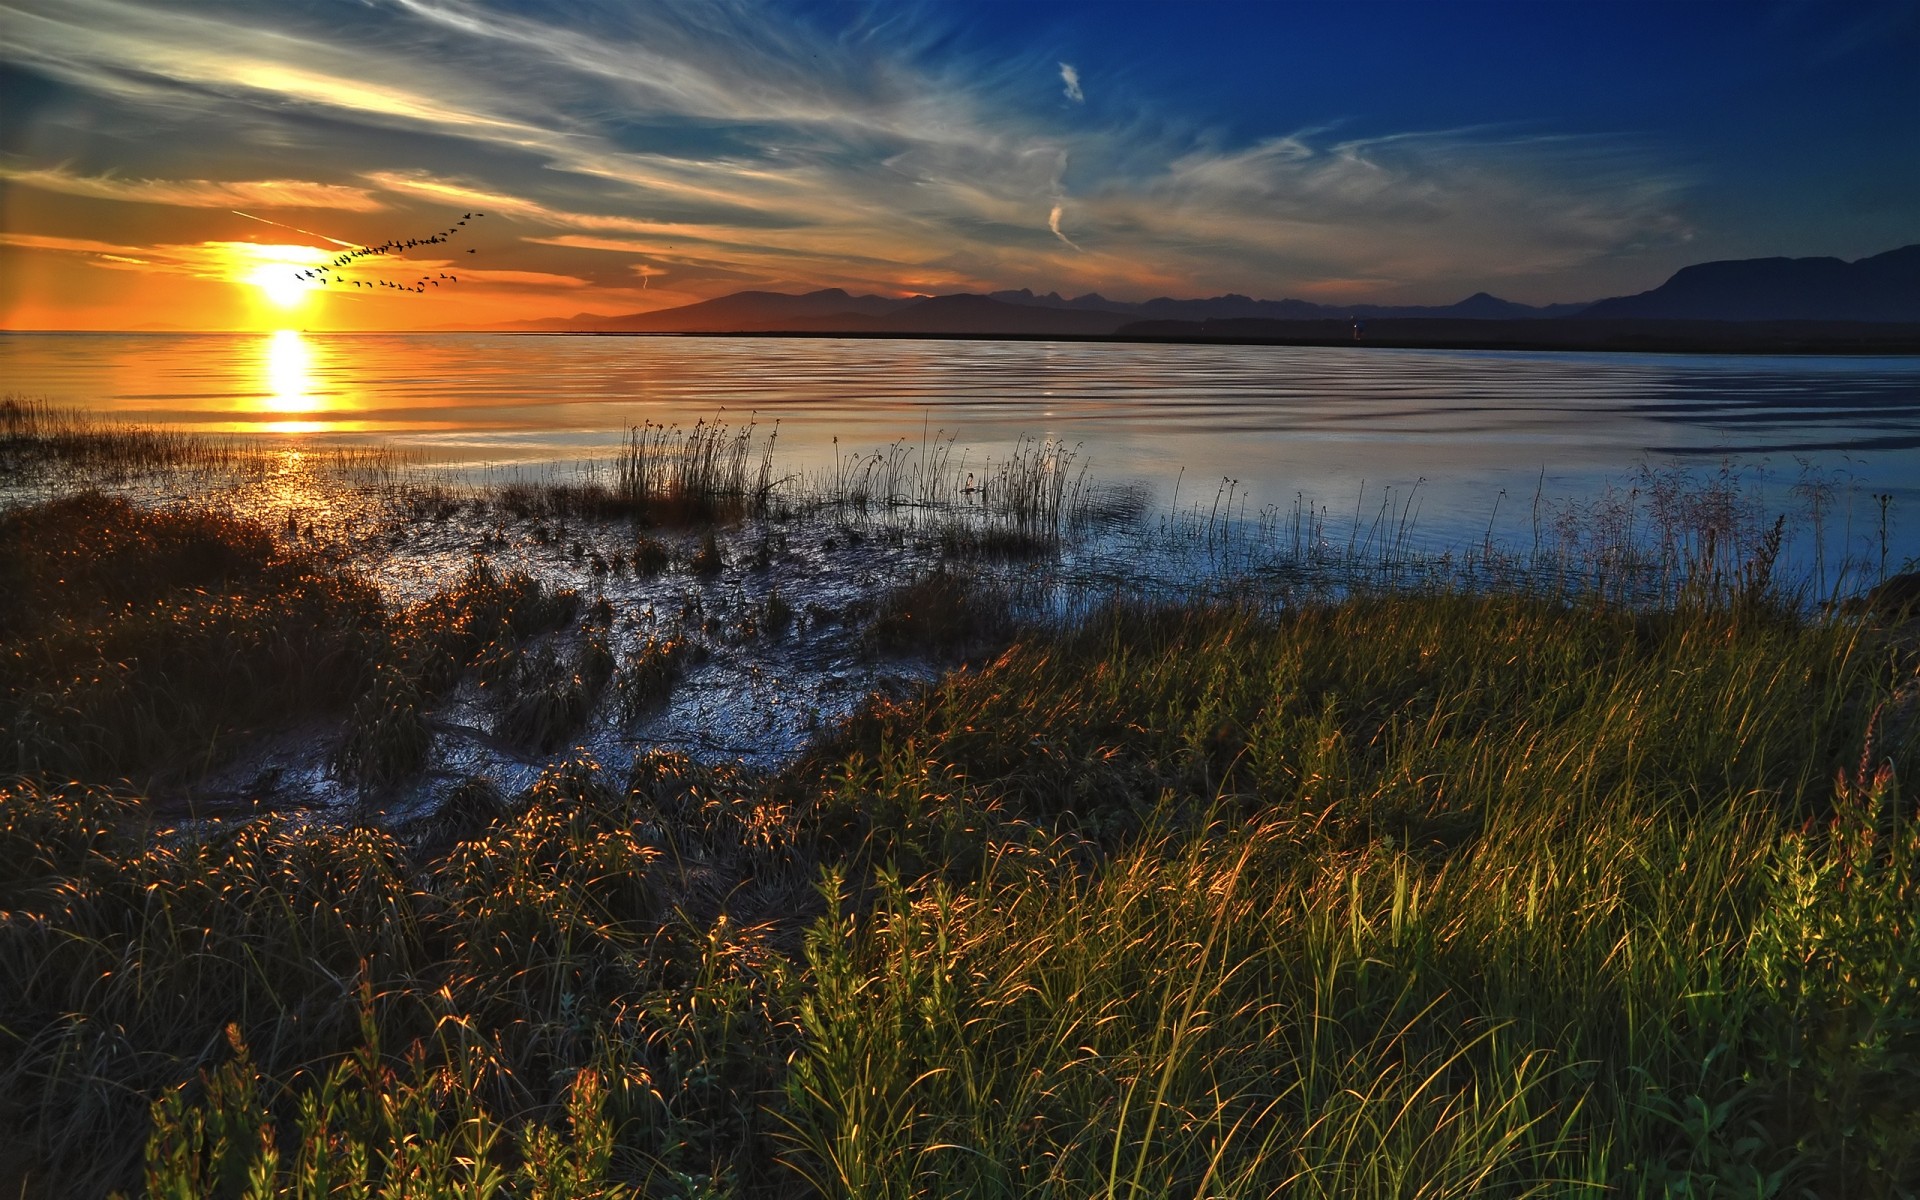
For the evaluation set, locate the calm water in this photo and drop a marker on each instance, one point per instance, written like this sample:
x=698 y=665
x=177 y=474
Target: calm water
x=1444 y=432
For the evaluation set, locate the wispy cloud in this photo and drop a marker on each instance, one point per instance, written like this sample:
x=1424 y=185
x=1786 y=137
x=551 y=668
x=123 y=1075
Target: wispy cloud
x=212 y=260
x=1071 y=78
x=1404 y=210
x=198 y=193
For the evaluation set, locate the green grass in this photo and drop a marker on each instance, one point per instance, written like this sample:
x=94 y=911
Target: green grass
x=1410 y=894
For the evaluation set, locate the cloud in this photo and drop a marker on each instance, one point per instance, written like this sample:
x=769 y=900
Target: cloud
x=539 y=279
x=67 y=245
x=198 y=193
x=1071 y=78
x=1413 y=209
x=217 y=260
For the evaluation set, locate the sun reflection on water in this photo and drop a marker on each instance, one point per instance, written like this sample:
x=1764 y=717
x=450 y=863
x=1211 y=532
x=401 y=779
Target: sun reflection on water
x=289 y=372
x=287 y=365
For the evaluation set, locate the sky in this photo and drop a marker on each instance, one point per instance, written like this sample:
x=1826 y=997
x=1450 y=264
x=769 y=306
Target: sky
x=190 y=166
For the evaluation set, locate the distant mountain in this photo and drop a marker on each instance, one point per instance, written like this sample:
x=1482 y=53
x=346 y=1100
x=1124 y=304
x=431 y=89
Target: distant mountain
x=1571 y=333
x=1092 y=301
x=1478 y=307
x=741 y=312
x=1885 y=287
x=1012 y=313
x=971 y=315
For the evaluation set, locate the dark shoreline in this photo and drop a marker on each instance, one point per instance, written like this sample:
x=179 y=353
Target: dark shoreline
x=1611 y=337
x=1619 y=337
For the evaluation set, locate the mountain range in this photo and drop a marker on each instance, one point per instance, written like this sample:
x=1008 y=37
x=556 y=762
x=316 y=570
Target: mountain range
x=1782 y=292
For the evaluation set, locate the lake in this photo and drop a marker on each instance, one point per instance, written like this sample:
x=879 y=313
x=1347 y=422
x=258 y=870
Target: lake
x=1458 y=442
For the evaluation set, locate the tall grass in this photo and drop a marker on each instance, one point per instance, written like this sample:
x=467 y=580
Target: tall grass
x=1412 y=895
x=1431 y=895
x=37 y=435
x=143 y=643
x=662 y=474
x=52 y=451
x=299 y=1010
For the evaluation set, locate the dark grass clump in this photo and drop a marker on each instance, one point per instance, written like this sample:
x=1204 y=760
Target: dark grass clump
x=146 y=643
x=776 y=613
x=707 y=561
x=650 y=556
x=944 y=612
x=154 y=644
x=551 y=692
x=481 y=623
x=647 y=678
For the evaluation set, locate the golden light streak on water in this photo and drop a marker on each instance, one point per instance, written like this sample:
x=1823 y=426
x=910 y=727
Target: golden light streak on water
x=288 y=363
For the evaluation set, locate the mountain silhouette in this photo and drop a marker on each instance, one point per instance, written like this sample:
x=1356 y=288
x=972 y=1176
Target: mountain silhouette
x=740 y=312
x=1885 y=287
x=1011 y=313
x=974 y=315
x=1776 y=292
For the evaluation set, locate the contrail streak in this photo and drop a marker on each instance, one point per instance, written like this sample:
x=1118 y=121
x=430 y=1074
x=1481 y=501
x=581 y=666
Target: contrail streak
x=282 y=224
x=1053 y=223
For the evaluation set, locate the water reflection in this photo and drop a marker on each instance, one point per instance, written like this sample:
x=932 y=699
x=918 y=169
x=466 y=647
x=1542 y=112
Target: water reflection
x=289 y=367
x=1334 y=427
x=288 y=378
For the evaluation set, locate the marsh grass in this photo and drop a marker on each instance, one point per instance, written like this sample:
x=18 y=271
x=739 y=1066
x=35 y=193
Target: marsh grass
x=550 y=693
x=1515 y=881
x=946 y=611
x=662 y=475
x=647 y=678
x=54 y=451
x=143 y=643
x=38 y=435
x=1435 y=894
x=282 y=1002
x=153 y=644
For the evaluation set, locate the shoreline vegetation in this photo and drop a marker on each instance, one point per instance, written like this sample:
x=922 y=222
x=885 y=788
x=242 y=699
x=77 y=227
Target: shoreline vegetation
x=1585 y=871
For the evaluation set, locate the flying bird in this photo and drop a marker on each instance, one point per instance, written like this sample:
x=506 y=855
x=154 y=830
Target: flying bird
x=330 y=272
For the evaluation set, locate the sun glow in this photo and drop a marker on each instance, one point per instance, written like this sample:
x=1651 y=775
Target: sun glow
x=281 y=283
x=278 y=272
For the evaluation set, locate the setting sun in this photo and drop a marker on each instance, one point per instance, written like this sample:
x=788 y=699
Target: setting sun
x=281 y=285
x=280 y=273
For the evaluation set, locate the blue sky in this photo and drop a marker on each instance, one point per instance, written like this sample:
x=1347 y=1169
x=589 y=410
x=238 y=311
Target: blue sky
x=631 y=156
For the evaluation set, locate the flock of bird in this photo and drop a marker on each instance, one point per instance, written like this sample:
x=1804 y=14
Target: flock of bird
x=330 y=273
